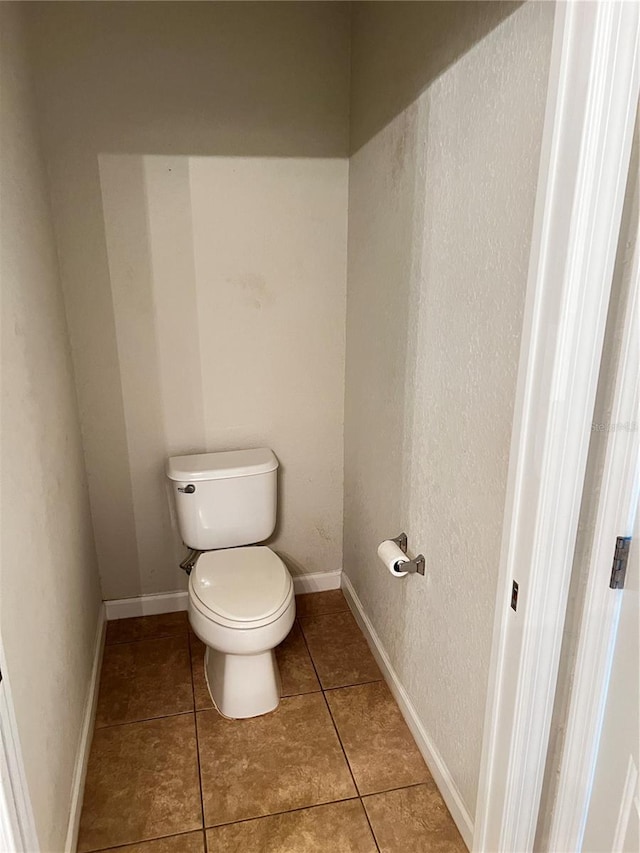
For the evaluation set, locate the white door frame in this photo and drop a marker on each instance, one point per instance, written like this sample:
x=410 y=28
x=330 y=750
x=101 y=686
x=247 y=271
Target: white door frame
x=17 y=823
x=591 y=106
x=617 y=507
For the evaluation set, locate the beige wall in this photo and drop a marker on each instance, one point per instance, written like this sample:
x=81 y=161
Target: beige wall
x=199 y=181
x=441 y=197
x=49 y=590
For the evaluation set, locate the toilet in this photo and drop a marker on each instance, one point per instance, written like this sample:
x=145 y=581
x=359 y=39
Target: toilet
x=241 y=601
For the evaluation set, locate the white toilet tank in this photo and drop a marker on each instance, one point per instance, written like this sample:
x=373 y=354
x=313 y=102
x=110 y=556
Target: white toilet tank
x=224 y=500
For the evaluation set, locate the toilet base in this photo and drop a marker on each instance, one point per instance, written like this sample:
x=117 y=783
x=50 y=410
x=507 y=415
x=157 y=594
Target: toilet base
x=242 y=686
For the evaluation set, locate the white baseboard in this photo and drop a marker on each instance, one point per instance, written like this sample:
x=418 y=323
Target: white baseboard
x=317 y=582
x=147 y=605
x=86 y=735
x=432 y=757
x=170 y=602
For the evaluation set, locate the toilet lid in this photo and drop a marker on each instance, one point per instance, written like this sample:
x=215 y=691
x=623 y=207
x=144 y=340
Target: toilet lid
x=241 y=584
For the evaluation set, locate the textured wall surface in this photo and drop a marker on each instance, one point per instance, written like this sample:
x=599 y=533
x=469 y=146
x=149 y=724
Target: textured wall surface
x=233 y=335
x=440 y=211
x=49 y=591
x=144 y=108
x=399 y=47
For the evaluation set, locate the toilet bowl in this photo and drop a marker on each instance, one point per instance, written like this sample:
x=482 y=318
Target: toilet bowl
x=241 y=601
x=241 y=605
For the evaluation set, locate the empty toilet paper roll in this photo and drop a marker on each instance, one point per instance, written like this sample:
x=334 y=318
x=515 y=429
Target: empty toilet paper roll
x=392 y=556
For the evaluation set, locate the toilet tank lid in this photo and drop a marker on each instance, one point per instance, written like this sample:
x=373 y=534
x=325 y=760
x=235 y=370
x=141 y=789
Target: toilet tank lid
x=222 y=466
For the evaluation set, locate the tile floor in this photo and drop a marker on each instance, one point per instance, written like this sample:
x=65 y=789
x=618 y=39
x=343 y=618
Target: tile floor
x=334 y=768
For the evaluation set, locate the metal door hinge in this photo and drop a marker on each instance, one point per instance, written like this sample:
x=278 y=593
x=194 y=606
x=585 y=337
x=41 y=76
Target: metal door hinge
x=620 y=560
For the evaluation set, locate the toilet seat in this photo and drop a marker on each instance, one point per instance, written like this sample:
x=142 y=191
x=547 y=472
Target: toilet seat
x=241 y=588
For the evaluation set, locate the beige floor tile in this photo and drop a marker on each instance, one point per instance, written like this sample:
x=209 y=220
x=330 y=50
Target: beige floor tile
x=319 y=603
x=192 y=842
x=149 y=678
x=285 y=760
x=339 y=650
x=200 y=689
x=147 y=627
x=376 y=739
x=142 y=783
x=338 y=827
x=296 y=670
x=413 y=819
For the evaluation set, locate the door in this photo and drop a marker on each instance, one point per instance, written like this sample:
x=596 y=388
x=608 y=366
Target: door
x=593 y=92
x=594 y=771
x=612 y=814
x=17 y=827
x=9 y=823
x=613 y=819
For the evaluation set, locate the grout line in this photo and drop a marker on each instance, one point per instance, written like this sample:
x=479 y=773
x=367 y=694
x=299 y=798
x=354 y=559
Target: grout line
x=366 y=815
x=286 y=811
x=176 y=633
x=358 y=796
x=143 y=720
x=195 y=725
x=313 y=664
x=335 y=727
x=141 y=640
x=320 y=615
x=349 y=686
x=346 y=758
x=324 y=612
x=144 y=841
x=391 y=790
x=302 y=693
x=361 y=797
x=98 y=727
x=309 y=616
x=144 y=640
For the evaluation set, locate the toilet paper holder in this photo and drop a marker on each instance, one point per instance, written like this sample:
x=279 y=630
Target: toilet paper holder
x=415 y=566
